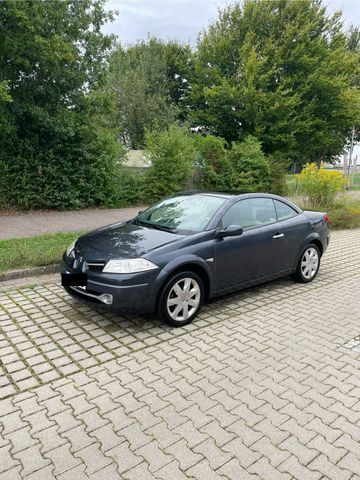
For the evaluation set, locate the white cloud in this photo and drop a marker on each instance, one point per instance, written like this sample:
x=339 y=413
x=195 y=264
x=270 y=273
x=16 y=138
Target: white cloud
x=185 y=19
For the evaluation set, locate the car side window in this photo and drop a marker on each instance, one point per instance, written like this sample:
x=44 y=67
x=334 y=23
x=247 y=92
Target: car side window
x=250 y=213
x=284 y=211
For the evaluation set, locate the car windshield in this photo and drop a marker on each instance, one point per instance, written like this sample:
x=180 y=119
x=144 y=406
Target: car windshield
x=183 y=213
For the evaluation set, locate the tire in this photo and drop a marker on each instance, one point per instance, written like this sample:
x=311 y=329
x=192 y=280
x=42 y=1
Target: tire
x=184 y=289
x=308 y=264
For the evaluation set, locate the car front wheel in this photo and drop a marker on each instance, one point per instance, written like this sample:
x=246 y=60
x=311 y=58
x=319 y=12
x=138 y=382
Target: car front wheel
x=308 y=265
x=181 y=299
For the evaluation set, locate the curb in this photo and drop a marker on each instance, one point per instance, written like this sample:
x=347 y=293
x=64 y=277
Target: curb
x=28 y=272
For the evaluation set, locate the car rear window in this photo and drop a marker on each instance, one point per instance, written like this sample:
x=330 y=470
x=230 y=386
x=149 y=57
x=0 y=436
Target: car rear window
x=284 y=211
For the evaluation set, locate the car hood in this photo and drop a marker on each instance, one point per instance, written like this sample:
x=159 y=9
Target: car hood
x=127 y=240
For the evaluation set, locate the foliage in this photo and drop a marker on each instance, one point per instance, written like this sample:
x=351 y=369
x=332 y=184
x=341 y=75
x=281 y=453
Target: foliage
x=250 y=170
x=213 y=163
x=344 y=213
x=281 y=71
x=4 y=95
x=278 y=165
x=34 y=251
x=129 y=188
x=75 y=168
x=319 y=185
x=148 y=82
x=179 y=157
x=172 y=153
x=353 y=45
x=53 y=154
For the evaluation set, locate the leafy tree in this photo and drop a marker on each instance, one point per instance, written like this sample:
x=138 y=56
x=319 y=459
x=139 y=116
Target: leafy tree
x=353 y=39
x=281 y=71
x=52 y=54
x=172 y=154
x=148 y=82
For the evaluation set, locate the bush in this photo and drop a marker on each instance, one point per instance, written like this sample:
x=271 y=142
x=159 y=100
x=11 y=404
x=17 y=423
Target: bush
x=277 y=181
x=212 y=163
x=74 y=168
x=242 y=168
x=172 y=154
x=129 y=188
x=344 y=213
x=249 y=168
x=318 y=185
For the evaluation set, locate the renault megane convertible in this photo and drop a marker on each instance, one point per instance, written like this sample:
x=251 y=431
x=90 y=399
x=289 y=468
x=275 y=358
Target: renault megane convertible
x=191 y=247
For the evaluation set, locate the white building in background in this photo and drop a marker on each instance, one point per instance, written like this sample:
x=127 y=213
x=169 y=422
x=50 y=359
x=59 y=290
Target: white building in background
x=137 y=160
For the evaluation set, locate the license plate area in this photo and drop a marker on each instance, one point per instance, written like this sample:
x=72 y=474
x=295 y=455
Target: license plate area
x=74 y=279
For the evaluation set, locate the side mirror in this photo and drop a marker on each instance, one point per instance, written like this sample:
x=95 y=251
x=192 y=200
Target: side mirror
x=140 y=211
x=230 y=231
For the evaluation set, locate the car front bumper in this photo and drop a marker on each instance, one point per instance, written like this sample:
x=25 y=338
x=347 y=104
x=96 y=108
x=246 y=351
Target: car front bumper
x=116 y=292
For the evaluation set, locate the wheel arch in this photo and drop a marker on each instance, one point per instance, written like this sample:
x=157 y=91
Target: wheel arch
x=194 y=265
x=318 y=243
x=196 y=268
x=312 y=238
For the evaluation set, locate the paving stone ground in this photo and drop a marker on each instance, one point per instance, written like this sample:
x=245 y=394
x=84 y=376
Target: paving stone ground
x=264 y=384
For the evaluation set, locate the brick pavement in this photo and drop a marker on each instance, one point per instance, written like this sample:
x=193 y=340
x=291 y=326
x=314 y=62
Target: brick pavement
x=264 y=384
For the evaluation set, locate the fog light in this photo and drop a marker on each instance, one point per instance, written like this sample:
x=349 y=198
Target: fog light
x=107 y=298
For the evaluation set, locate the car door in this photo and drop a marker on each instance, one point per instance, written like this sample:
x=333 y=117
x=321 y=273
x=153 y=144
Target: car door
x=295 y=228
x=257 y=252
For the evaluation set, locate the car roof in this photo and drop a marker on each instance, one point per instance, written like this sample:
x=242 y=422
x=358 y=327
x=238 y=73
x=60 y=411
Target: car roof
x=227 y=194
x=204 y=192
x=234 y=197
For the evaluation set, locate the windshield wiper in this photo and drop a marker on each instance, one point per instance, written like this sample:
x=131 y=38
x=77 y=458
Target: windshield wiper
x=164 y=228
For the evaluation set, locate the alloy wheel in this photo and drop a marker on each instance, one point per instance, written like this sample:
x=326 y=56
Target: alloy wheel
x=183 y=299
x=309 y=263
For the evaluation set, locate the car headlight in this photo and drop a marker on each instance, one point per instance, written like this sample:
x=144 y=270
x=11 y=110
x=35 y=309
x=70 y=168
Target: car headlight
x=71 y=247
x=133 y=265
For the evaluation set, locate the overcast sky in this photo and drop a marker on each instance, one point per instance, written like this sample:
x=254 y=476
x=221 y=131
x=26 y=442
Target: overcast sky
x=184 y=19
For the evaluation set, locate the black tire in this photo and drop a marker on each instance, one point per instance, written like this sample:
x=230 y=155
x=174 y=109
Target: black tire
x=299 y=275
x=163 y=307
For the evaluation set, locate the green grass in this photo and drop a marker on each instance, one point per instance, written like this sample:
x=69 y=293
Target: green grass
x=34 y=251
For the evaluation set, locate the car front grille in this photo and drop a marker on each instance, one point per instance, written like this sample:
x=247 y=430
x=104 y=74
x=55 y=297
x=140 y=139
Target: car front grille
x=95 y=266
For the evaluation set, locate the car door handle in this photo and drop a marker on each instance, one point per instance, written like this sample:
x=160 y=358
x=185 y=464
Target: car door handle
x=278 y=235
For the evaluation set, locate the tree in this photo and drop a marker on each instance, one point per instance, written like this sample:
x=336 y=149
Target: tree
x=148 y=82
x=280 y=71
x=52 y=54
x=353 y=39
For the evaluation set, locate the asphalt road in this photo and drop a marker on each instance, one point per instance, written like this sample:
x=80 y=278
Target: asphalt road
x=37 y=223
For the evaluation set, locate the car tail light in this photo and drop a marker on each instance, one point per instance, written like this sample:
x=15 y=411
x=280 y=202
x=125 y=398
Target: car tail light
x=326 y=219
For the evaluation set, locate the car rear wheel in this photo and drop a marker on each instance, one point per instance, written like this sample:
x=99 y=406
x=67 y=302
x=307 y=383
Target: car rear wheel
x=308 y=265
x=181 y=299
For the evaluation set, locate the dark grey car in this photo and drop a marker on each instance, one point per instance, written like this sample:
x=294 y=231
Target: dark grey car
x=191 y=247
